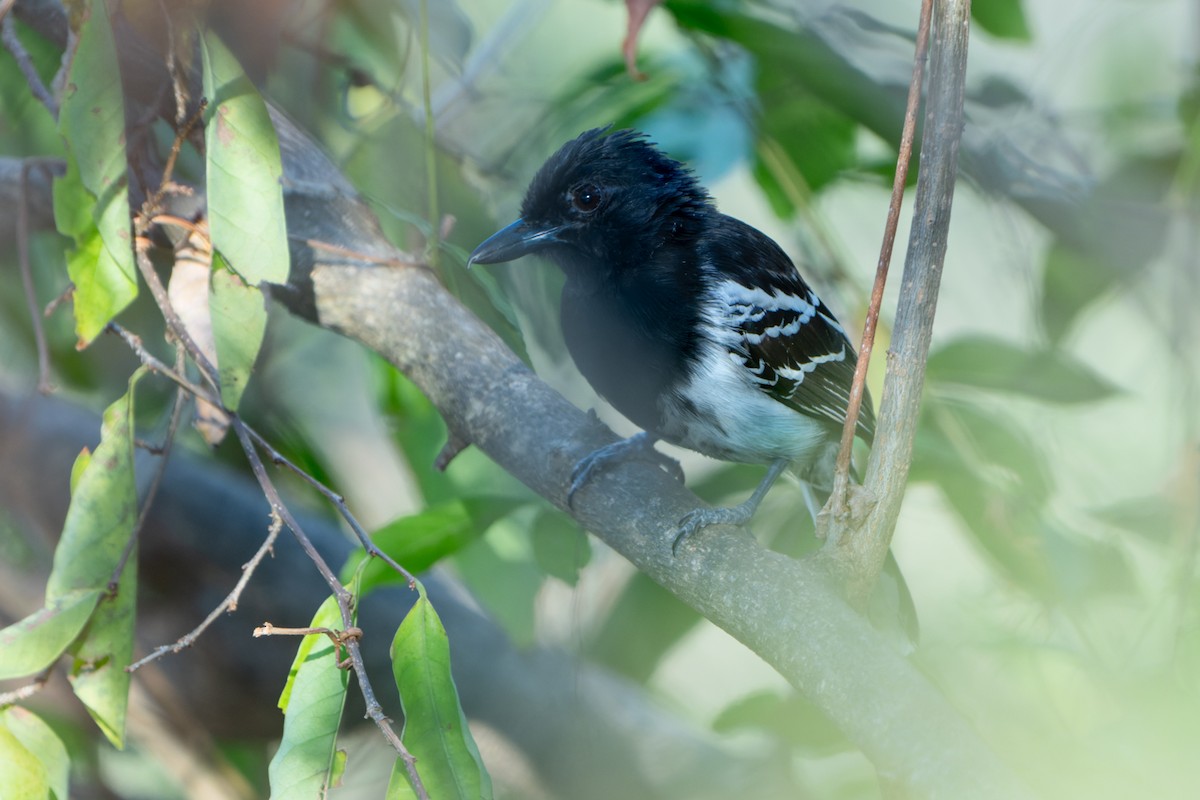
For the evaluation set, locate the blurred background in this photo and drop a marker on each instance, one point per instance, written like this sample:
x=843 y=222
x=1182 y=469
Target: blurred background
x=1050 y=533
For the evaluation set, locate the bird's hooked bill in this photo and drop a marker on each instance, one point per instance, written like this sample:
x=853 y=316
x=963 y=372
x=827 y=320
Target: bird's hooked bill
x=518 y=239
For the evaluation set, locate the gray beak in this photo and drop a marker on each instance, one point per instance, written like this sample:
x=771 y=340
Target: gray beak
x=518 y=239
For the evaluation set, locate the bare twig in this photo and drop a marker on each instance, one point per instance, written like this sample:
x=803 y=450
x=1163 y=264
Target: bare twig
x=340 y=638
x=860 y=557
x=39 y=330
x=841 y=477
x=64 y=296
x=8 y=35
x=29 y=689
x=177 y=80
x=159 y=293
x=404 y=260
x=338 y=501
x=184 y=131
x=229 y=604
x=155 y=365
x=344 y=600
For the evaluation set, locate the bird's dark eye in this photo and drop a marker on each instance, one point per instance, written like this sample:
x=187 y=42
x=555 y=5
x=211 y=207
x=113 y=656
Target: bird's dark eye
x=586 y=198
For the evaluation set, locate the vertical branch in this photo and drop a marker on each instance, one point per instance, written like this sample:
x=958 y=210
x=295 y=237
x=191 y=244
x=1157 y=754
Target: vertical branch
x=862 y=555
x=841 y=476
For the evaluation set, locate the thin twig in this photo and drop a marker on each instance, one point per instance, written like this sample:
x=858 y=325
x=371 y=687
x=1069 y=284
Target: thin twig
x=229 y=604
x=841 y=478
x=372 y=550
x=39 y=330
x=173 y=70
x=155 y=365
x=163 y=452
x=29 y=689
x=406 y=261
x=159 y=293
x=8 y=35
x=344 y=600
x=339 y=638
x=184 y=131
x=64 y=296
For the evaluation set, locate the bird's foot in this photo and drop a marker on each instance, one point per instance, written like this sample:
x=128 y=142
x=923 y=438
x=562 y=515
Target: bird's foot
x=701 y=518
x=639 y=447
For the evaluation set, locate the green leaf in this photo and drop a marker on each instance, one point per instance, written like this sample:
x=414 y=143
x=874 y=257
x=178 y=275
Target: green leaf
x=988 y=363
x=103 y=507
x=645 y=623
x=416 y=542
x=99 y=523
x=81 y=461
x=1001 y=18
x=435 y=728
x=243 y=169
x=239 y=320
x=312 y=701
x=789 y=717
x=98 y=674
x=559 y=546
x=91 y=201
x=22 y=776
x=43 y=743
x=1070 y=283
x=29 y=646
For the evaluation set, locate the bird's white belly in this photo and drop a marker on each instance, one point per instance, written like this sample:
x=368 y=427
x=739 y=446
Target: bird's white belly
x=720 y=412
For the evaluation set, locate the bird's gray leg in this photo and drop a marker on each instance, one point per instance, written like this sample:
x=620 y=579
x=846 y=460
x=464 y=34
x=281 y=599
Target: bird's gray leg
x=810 y=500
x=734 y=515
x=639 y=447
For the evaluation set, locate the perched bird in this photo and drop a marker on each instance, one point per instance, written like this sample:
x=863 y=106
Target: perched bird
x=694 y=325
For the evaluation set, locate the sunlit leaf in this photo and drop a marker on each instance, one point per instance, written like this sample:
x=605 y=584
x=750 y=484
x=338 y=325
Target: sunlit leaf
x=435 y=728
x=43 y=743
x=239 y=320
x=22 y=775
x=988 y=363
x=36 y=642
x=99 y=523
x=98 y=674
x=1001 y=18
x=91 y=203
x=243 y=172
x=312 y=701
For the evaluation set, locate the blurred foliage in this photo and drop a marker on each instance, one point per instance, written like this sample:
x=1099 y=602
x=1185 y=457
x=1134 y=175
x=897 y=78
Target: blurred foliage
x=1051 y=538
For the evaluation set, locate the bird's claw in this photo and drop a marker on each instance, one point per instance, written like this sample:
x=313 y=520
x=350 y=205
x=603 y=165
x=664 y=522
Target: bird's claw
x=639 y=447
x=700 y=518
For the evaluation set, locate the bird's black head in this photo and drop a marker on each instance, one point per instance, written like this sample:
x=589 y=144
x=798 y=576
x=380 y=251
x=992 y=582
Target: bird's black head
x=604 y=203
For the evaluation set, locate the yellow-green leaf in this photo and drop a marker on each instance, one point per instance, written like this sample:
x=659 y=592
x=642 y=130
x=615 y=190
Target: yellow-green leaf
x=43 y=743
x=29 y=646
x=99 y=523
x=306 y=761
x=239 y=319
x=243 y=169
x=91 y=201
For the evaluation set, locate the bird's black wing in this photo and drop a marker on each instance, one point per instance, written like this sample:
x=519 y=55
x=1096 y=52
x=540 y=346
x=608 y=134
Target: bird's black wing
x=789 y=342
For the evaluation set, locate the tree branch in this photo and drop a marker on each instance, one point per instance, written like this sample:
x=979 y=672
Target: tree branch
x=860 y=555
